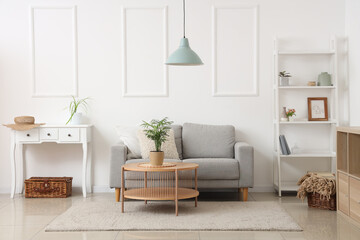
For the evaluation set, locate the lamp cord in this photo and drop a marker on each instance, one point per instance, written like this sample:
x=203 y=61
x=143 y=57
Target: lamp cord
x=184 y=15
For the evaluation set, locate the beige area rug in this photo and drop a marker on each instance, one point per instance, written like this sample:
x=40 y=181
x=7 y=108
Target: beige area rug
x=160 y=216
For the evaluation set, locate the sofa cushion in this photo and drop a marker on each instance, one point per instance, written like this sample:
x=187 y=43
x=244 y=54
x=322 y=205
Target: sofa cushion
x=178 y=138
x=208 y=141
x=216 y=168
x=140 y=175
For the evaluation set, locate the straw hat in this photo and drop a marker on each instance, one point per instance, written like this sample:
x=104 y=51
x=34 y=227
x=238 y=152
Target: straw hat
x=23 y=123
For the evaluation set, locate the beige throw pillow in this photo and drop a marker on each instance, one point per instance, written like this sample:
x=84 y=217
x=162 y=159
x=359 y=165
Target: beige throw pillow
x=168 y=147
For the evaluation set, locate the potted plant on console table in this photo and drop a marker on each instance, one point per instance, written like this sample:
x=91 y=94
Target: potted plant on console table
x=157 y=130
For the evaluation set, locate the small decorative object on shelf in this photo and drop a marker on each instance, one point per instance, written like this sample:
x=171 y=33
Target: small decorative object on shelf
x=284 y=78
x=311 y=83
x=48 y=187
x=317 y=109
x=290 y=114
x=75 y=116
x=284 y=118
x=157 y=130
x=320 y=190
x=285 y=150
x=324 y=79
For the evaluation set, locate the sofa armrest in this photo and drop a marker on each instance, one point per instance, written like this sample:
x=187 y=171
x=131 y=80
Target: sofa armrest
x=117 y=160
x=244 y=153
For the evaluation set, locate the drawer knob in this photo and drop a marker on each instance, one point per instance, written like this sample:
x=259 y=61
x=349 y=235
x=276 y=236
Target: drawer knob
x=49 y=134
x=28 y=135
x=69 y=135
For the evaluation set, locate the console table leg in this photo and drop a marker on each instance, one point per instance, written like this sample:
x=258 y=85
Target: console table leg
x=122 y=188
x=196 y=187
x=84 y=168
x=13 y=167
x=89 y=168
x=21 y=168
x=176 y=192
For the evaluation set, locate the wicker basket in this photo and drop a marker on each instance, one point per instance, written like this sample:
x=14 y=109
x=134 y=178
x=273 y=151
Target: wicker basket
x=314 y=201
x=48 y=187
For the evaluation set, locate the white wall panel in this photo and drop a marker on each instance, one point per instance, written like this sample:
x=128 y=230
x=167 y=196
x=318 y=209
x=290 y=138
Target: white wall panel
x=145 y=52
x=54 y=51
x=100 y=59
x=235 y=46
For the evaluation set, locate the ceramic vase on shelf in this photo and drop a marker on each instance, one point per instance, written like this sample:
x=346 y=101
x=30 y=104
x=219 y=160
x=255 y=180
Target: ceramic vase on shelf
x=324 y=79
x=156 y=158
x=291 y=119
x=76 y=119
x=283 y=117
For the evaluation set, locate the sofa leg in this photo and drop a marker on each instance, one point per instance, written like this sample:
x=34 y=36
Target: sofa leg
x=244 y=193
x=117 y=194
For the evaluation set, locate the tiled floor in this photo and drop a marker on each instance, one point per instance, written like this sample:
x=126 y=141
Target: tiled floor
x=22 y=218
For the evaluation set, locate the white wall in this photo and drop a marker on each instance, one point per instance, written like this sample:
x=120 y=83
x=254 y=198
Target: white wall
x=188 y=96
x=353 y=34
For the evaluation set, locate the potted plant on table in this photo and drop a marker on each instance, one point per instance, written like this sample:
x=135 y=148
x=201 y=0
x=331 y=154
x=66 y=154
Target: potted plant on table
x=284 y=78
x=157 y=130
x=75 y=116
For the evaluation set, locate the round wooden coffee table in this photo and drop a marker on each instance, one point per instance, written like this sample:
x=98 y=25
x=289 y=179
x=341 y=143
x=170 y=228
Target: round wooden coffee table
x=161 y=187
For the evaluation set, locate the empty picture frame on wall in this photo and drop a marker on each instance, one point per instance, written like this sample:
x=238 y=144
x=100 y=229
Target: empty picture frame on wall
x=318 y=109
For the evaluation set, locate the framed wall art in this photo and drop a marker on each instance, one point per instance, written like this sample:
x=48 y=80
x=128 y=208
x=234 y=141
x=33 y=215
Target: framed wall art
x=318 y=109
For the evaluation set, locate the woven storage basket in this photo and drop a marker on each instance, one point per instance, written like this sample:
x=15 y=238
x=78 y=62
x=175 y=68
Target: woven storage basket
x=315 y=201
x=48 y=187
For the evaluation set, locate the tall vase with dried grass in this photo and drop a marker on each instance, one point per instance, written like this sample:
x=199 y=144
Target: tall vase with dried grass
x=75 y=105
x=157 y=130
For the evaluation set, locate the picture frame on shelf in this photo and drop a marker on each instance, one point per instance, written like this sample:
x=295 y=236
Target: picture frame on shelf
x=318 y=109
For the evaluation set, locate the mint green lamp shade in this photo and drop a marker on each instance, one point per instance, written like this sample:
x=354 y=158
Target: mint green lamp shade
x=184 y=55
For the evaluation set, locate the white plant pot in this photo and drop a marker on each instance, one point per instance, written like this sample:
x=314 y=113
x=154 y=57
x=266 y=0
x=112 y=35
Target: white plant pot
x=291 y=119
x=76 y=119
x=284 y=81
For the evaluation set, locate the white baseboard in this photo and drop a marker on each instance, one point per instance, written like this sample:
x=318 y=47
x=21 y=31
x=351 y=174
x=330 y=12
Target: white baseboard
x=4 y=190
x=101 y=189
x=104 y=189
x=262 y=189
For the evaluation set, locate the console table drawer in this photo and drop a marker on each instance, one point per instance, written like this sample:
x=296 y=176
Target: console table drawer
x=49 y=134
x=69 y=134
x=31 y=135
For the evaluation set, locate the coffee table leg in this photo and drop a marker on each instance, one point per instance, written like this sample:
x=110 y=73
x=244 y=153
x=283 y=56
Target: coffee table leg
x=145 y=183
x=196 y=187
x=176 y=192
x=122 y=189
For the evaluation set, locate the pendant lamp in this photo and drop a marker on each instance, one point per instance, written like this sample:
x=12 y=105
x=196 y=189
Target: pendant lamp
x=184 y=55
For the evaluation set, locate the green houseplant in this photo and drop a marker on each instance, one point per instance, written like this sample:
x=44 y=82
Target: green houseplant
x=284 y=78
x=157 y=130
x=75 y=104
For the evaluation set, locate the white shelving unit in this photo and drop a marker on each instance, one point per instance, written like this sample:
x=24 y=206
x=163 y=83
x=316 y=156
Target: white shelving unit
x=304 y=91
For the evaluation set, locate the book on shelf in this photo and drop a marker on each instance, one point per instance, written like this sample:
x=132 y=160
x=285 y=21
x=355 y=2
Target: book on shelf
x=284 y=145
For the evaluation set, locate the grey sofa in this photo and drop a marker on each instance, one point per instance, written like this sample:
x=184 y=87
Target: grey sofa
x=223 y=163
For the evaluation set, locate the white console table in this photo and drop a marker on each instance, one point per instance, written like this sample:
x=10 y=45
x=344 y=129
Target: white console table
x=62 y=134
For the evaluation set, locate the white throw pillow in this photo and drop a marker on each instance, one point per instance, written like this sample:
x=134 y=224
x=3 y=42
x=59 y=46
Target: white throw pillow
x=168 y=147
x=127 y=134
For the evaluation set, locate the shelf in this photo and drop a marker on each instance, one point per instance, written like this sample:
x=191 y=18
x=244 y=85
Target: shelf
x=160 y=193
x=306 y=52
x=307 y=87
x=310 y=155
x=307 y=122
x=287 y=186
